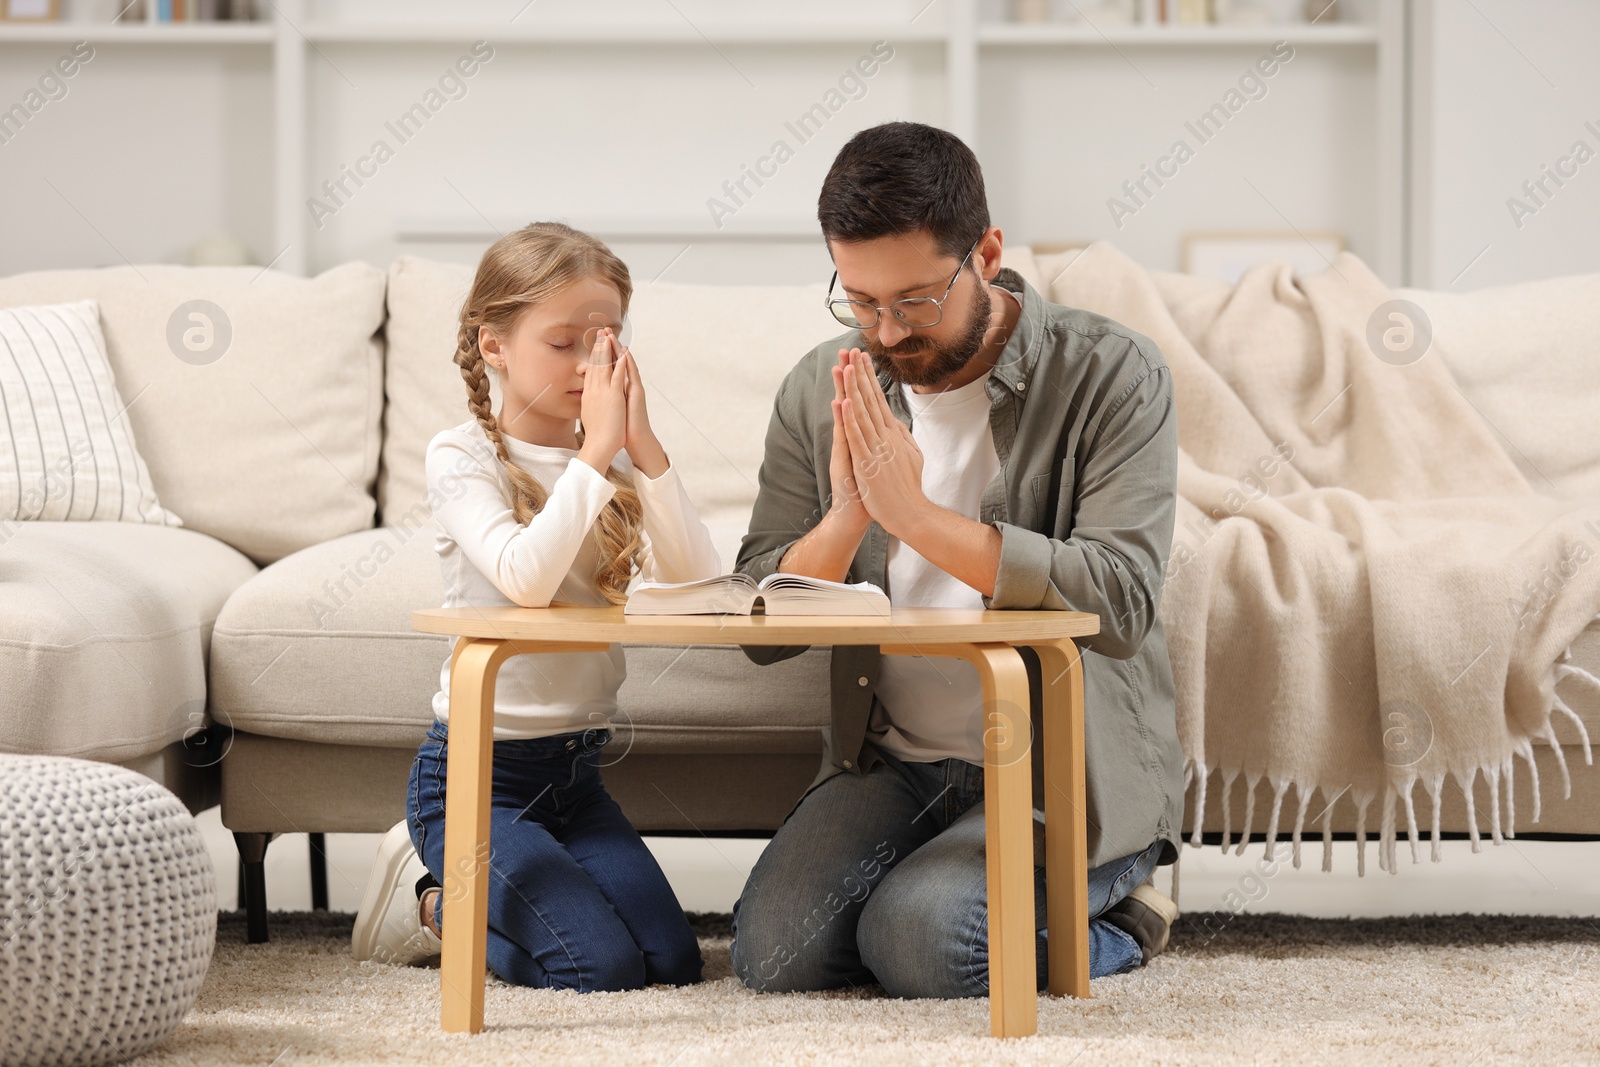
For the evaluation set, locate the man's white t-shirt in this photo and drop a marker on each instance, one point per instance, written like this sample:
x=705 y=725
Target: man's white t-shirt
x=935 y=705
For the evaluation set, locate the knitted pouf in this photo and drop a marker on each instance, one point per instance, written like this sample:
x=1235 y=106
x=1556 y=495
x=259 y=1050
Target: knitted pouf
x=108 y=911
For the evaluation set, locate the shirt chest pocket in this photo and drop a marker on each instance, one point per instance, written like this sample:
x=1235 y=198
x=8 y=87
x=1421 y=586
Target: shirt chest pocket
x=1032 y=503
x=1041 y=486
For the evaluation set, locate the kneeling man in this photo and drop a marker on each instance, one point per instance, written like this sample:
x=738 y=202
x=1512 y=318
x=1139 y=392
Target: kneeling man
x=966 y=444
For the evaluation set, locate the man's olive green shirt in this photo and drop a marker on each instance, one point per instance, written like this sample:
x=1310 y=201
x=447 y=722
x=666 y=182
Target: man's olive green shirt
x=1086 y=431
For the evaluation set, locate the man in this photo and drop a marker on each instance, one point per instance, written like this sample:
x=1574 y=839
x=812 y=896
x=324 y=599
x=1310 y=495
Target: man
x=968 y=445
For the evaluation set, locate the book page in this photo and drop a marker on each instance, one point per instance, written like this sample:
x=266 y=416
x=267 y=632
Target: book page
x=720 y=580
x=784 y=580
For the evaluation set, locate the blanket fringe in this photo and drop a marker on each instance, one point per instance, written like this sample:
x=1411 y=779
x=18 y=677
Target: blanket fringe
x=1279 y=787
x=1411 y=819
x=1583 y=732
x=1565 y=669
x=1525 y=746
x=1361 y=833
x=1395 y=795
x=1327 y=834
x=1471 y=808
x=1199 y=773
x=1386 y=833
x=1299 y=821
x=1435 y=787
x=1511 y=797
x=1227 y=815
x=1249 y=812
x=1548 y=735
x=1492 y=776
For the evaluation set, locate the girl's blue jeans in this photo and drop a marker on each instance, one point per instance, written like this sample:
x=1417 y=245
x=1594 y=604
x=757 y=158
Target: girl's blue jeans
x=576 y=900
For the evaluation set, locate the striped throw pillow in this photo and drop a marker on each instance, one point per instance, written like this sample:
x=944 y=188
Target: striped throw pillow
x=66 y=446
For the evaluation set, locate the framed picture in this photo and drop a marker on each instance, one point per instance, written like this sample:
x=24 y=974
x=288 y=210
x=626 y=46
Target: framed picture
x=29 y=10
x=1228 y=255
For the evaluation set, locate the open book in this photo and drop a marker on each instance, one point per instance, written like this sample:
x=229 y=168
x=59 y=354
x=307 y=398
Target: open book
x=738 y=594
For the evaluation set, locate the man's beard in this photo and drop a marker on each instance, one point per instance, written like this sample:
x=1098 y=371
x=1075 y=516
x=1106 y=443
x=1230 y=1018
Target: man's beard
x=934 y=362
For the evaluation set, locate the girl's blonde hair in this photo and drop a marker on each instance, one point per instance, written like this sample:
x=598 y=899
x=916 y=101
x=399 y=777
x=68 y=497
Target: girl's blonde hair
x=519 y=270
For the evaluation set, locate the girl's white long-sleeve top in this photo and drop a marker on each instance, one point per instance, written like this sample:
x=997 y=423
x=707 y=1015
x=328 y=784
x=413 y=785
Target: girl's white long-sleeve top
x=488 y=559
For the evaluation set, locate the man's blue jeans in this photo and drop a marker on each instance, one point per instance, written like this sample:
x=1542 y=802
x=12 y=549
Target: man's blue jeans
x=576 y=900
x=881 y=877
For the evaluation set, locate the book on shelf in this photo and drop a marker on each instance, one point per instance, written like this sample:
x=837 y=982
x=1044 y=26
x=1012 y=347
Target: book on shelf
x=187 y=11
x=738 y=594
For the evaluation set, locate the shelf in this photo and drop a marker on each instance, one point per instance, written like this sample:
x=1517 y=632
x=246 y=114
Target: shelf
x=949 y=37
x=138 y=33
x=600 y=33
x=1047 y=34
x=994 y=34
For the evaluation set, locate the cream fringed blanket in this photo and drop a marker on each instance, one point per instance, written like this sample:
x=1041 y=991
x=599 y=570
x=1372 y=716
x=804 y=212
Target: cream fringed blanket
x=1364 y=592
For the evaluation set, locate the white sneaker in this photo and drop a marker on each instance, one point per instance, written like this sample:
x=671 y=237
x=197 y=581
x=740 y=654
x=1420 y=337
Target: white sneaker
x=388 y=928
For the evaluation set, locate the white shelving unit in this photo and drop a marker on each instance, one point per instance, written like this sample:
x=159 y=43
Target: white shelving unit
x=633 y=34
x=293 y=37
x=112 y=33
x=1187 y=36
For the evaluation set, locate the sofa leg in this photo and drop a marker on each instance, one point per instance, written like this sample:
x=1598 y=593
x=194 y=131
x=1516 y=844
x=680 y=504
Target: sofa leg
x=252 y=861
x=319 y=873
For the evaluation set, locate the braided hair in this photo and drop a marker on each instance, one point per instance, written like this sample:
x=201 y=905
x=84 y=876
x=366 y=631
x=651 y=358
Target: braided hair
x=519 y=270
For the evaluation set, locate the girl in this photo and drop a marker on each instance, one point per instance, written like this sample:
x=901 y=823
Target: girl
x=533 y=508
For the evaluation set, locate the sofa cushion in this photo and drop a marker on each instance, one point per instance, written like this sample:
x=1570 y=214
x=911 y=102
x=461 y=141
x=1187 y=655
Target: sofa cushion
x=422 y=386
x=255 y=396
x=68 y=451
x=319 y=647
x=710 y=387
x=1527 y=356
x=1577 y=692
x=104 y=632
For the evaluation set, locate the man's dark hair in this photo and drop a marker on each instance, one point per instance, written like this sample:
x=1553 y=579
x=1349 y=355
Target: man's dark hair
x=902 y=177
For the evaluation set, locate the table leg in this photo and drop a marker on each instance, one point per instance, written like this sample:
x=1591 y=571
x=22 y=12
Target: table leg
x=1008 y=828
x=469 y=773
x=469 y=776
x=1066 y=808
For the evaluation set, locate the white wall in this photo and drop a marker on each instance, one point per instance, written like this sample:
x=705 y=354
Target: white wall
x=605 y=137
x=151 y=147
x=1062 y=131
x=1507 y=88
x=155 y=146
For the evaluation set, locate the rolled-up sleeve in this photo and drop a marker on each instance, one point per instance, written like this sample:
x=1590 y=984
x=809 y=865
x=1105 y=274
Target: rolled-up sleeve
x=787 y=504
x=787 y=499
x=1113 y=559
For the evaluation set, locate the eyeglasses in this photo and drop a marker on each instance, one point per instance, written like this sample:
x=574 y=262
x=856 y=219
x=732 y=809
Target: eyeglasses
x=917 y=312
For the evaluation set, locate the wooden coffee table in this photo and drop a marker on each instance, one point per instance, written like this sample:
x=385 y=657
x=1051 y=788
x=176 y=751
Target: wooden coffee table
x=986 y=639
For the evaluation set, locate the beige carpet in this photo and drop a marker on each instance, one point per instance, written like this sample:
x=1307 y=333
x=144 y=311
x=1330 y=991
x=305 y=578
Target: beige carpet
x=1248 y=989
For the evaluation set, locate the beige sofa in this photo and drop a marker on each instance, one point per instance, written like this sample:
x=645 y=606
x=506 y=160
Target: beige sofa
x=262 y=656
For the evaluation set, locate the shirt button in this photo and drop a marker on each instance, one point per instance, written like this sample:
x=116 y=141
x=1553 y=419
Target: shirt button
x=1022 y=387
x=847 y=764
x=862 y=680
